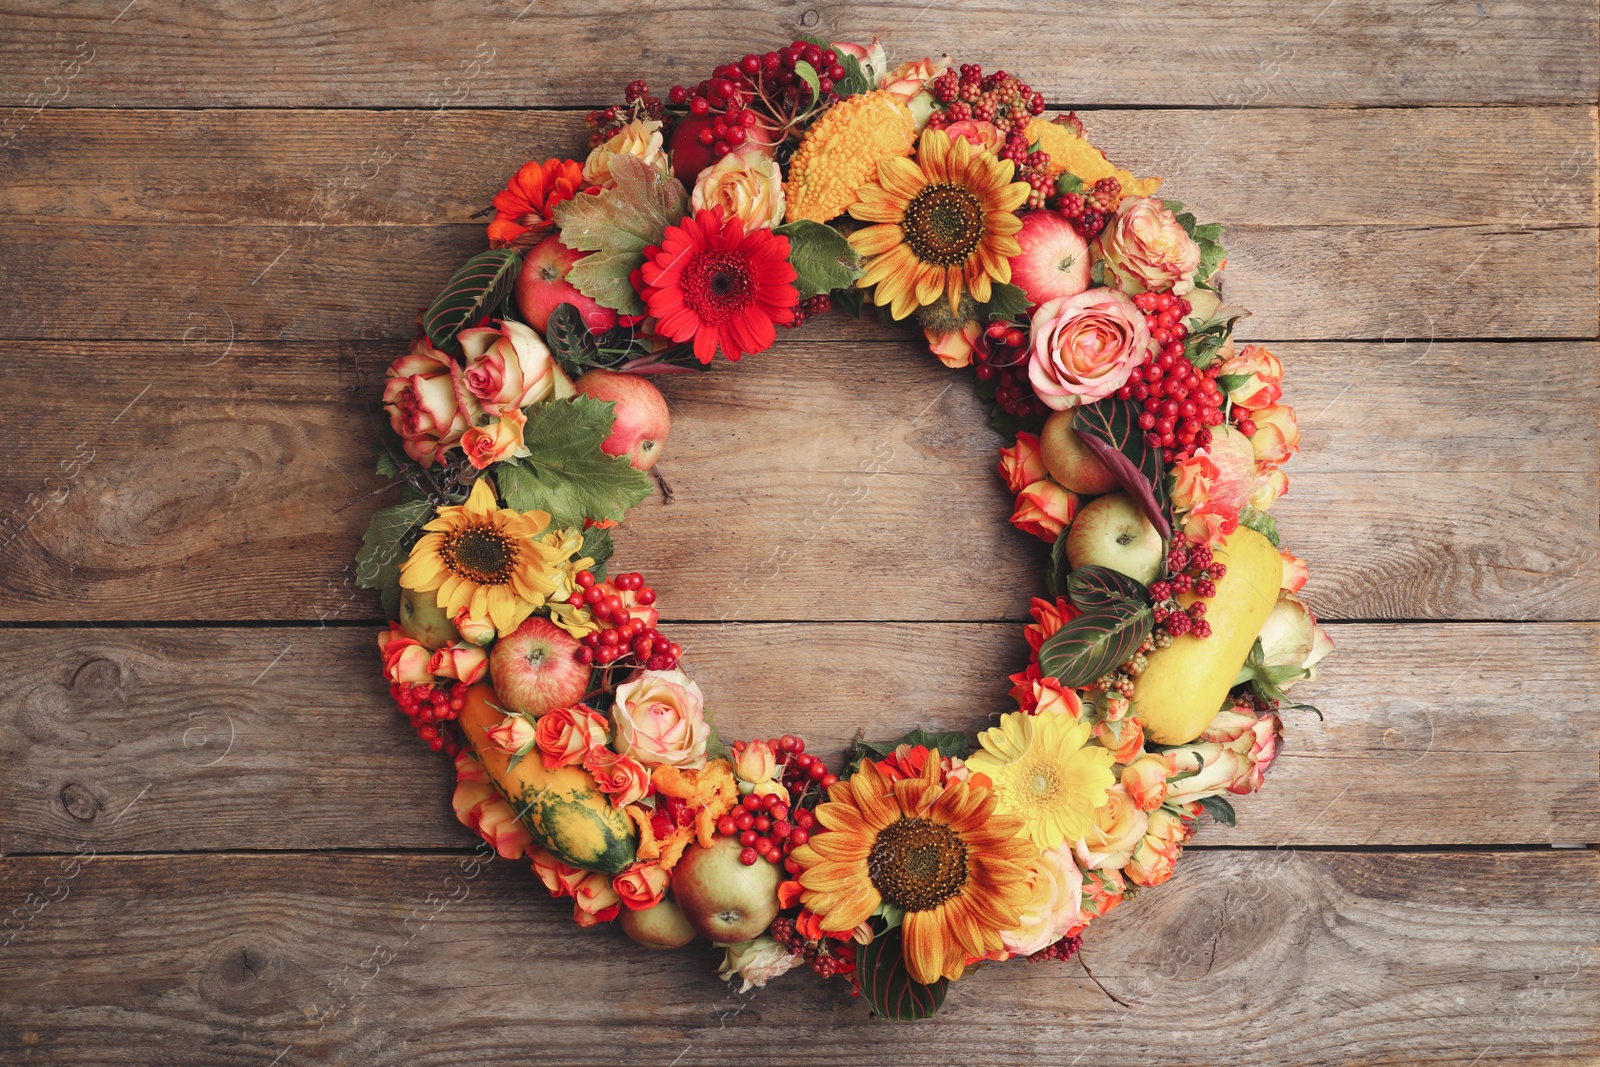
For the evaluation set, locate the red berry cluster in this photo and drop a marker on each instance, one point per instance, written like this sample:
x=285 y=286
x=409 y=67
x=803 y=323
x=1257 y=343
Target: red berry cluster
x=607 y=121
x=764 y=90
x=1189 y=568
x=1181 y=403
x=1059 y=952
x=820 y=304
x=1091 y=209
x=430 y=707
x=827 y=957
x=622 y=636
x=997 y=98
x=763 y=827
x=1001 y=355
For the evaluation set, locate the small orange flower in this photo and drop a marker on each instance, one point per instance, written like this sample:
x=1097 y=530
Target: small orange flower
x=525 y=203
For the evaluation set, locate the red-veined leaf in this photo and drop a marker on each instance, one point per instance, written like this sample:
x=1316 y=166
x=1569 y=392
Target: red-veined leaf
x=1110 y=428
x=1101 y=587
x=1095 y=643
x=472 y=292
x=887 y=984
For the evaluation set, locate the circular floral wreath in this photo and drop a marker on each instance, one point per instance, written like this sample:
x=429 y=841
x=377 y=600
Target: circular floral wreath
x=1145 y=448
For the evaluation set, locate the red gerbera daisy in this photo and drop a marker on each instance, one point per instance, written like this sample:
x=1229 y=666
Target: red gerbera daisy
x=723 y=287
x=525 y=203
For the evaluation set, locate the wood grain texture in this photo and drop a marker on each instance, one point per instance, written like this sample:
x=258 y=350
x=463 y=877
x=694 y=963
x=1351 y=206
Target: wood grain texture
x=819 y=480
x=1293 y=958
x=168 y=740
x=1235 y=54
x=1520 y=167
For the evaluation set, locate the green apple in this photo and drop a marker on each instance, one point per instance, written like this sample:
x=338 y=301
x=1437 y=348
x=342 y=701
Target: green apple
x=1111 y=531
x=1069 y=460
x=725 y=901
x=661 y=927
x=424 y=621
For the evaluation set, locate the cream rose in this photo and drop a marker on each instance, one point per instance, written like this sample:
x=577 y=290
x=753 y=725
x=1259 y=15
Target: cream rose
x=640 y=138
x=507 y=368
x=427 y=402
x=1291 y=638
x=463 y=661
x=660 y=720
x=747 y=185
x=1145 y=249
x=1054 y=900
x=1119 y=825
x=1085 y=346
x=757 y=962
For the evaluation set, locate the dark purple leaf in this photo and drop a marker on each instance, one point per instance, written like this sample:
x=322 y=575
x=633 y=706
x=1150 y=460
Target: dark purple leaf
x=1092 y=588
x=1110 y=428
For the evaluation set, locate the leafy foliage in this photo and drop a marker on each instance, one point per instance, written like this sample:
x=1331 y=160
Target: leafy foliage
x=1207 y=336
x=1261 y=522
x=1092 y=588
x=384 y=546
x=850 y=300
x=617 y=225
x=566 y=474
x=1110 y=428
x=821 y=257
x=1006 y=303
x=472 y=292
x=1055 y=572
x=1207 y=236
x=1219 y=809
x=598 y=546
x=887 y=984
x=1266 y=681
x=1095 y=643
x=570 y=340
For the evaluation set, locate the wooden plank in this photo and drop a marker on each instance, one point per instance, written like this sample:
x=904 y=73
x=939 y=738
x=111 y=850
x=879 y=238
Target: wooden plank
x=171 y=481
x=367 y=282
x=286 y=738
x=1237 y=54
x=1287 y=957
x=1525 y=167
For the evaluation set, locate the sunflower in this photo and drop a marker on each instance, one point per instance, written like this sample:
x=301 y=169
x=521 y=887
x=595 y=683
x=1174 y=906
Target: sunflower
x=1045 y=774
x=490 y=560
x=945 y=220
x=937 y=852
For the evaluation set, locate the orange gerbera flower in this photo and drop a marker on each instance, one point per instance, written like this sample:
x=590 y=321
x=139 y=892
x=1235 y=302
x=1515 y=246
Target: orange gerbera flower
x=525 y=203
x=936 y=851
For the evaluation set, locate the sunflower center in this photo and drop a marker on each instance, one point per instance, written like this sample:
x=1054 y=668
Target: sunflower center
x=943 y=224
x=718 y=285
x=917 y=864
x=480 y=553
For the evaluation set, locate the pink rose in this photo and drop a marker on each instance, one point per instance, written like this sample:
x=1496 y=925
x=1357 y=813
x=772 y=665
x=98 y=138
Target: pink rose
x=594 y=901
x=1055 y=897
x=507 y=368
x=660 y=720
x=427 y=404
x=514 y=735
x=955 y=348
x=561 y=880
x=1277 y=435
x=622 y=778
x=496 y=441
x=1237 y=751
x=1192 y=478
x=480 y=807
x=641 y=887
x=404 y=659
x=1044 y=509
x=1023 y=463
x=565 y=735
x=1085 y=346
x=1252 y=377
x=463 y=661
x=1209 y=524
x=1295 y=572
x=910 y=79
x=1145 y=249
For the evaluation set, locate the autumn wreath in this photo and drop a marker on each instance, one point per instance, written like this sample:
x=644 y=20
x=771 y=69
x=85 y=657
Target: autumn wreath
x=1142 y=445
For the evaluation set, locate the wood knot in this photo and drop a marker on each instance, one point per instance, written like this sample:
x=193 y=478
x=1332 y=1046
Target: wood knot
x=80 y=802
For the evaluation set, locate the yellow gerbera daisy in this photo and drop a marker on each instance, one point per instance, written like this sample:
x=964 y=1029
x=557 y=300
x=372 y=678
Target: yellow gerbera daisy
x=491 y=560
x=945 y=220
x=1045 y=774
x=937 y=852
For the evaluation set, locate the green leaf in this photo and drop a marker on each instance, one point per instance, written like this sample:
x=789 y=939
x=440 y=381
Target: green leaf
x=617 y=225
x=1009 y=425
x=1006 y=303
x=1261 y=523
x=598 y=546
x=1055 y=573
x=1110 y=428
x=823 y=260
x=1205 y=338
x=570 y=340
x=850 y=300
x=855 y=79
x=384 y=547
x=472 y=292
x=949 y=743
x=1069 y=183
x=1219 y=809
x=808 y=74
x=566 y=474
x=888 y=986
x=1208 y=237
x=1229 y=382
x=1092 y=588
x=1095 y=643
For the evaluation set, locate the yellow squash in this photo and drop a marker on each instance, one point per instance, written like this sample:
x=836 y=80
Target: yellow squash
x=563 y=809
x=1184 y=685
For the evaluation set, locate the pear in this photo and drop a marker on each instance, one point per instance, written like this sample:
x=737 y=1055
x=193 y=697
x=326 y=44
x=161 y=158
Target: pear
x=424 y=621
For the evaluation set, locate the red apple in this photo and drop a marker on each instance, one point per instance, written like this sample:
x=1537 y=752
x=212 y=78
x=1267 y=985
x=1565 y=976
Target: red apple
x=661 y=927
x=542 y=287
x=1054 y=261
x=640 y=431
x=535 y=668
x=724 y=900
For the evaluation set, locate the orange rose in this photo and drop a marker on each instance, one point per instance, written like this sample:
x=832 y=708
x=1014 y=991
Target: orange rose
x=1155 y=857
x=1145 y=248
x=1085 y=346
x=1192 y=480
x=514 y=736
x=478 y=631
x=480 y=807
x=754 y=762
x=404 y=659
x=1050 y=697
x=1023 y=463
x=1295 y=572
x=463 y=661
x=495 y=442
x=1252 y=378
x=980 y=134
x=427 y=402
x=1145 y=779
x=1119 y=826
x=1127 y=745
x=1277 y=435
x=642 y=886
x=1102 y=891
x=955 y=348
x=622 y=778
x=565 y=735
x=1044 y=509
x=594 y=901
x=561 y=880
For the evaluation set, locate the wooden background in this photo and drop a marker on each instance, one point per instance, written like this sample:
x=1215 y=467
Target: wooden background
x=222 y=845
